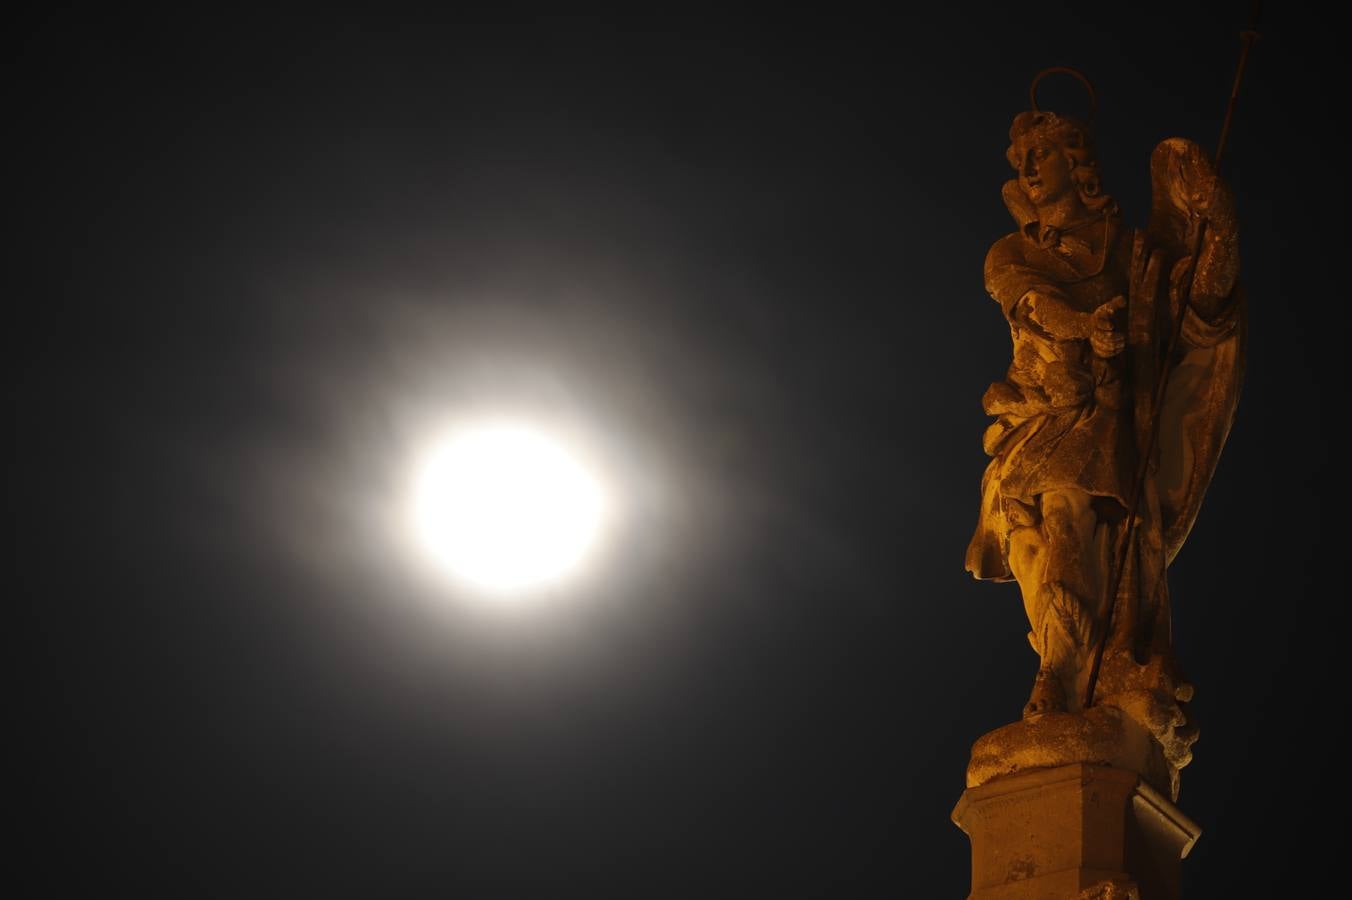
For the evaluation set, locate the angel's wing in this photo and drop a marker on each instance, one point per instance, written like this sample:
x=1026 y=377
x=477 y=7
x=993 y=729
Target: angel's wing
x=1183 y=189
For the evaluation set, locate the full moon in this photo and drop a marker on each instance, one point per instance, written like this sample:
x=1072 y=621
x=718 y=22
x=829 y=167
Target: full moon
x=505 y=507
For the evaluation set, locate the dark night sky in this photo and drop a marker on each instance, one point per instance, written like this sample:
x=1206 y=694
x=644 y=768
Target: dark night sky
x=743 y=257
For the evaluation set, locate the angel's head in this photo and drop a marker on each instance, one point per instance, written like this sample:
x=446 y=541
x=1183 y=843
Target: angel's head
x=1054 y=155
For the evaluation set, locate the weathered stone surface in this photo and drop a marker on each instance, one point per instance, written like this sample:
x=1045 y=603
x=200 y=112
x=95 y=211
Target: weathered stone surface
x=1073 y=831
x=1102 y=736
x=1110 y=890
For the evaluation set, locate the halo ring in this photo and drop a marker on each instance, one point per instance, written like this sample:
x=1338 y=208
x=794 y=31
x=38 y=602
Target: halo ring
x=1064 y=70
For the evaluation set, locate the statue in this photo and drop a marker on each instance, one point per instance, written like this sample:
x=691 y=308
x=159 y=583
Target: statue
x=1092 y=305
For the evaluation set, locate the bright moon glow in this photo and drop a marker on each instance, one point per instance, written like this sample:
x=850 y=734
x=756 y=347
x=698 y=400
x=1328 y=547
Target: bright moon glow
x=504 y=507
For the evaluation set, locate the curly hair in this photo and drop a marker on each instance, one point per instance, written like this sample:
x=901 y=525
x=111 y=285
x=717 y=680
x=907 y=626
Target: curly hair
x=1074 y=140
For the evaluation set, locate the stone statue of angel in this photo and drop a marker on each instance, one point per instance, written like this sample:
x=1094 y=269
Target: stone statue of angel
x=1092 y=305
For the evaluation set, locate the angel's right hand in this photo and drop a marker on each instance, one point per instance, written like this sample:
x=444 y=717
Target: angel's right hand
x=1104 y=335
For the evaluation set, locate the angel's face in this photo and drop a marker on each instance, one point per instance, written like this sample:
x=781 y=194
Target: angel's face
x=1044 y=172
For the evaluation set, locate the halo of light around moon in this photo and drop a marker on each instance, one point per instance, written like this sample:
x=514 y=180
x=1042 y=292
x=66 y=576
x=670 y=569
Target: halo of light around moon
x=504 y=507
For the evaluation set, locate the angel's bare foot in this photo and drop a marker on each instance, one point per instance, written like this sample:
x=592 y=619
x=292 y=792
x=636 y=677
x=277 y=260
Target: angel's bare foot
x=1048 y=695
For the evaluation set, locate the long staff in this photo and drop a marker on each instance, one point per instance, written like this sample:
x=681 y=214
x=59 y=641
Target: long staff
x=1248 y=36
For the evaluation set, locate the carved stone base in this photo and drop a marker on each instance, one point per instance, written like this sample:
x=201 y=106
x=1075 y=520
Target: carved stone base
x=1074 y=831
x=1102 y=736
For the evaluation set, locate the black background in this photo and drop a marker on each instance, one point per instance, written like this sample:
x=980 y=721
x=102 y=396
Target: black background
x=746 y=256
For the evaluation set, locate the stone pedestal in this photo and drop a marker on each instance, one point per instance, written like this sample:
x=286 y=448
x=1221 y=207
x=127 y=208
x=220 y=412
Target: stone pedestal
x=1074 y=831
